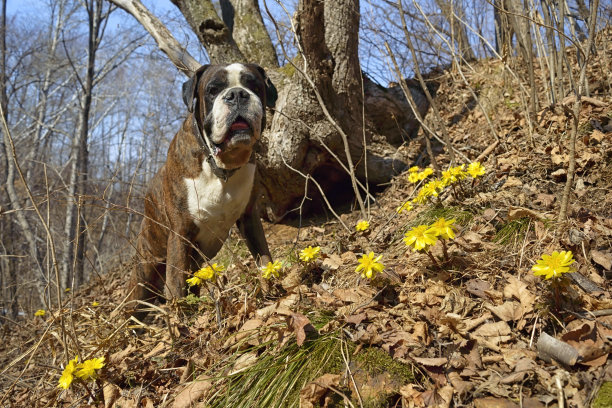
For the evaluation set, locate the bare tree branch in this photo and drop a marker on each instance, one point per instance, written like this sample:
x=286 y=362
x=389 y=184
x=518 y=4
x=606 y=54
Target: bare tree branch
x=164 y=39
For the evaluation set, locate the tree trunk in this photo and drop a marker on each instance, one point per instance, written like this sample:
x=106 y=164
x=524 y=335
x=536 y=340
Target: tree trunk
x=211 y=31
x=72 y=265
x=450 y=12
x=319 y=125
x=246 y=26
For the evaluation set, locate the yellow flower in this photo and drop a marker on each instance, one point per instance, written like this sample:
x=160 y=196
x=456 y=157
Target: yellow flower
x=459 y=171
x=67 y=290
x=362 y=225
x=68 y=374
x=369 y=265
x=87 y=369
x=209 y=272
x=413 y=177
x=310 y=253
x=421 y=197
x=420 y=238
x=271 y=269
x=193 y=281
x=433 y=188
x=404 y=207
x=425 y=173
x=413 y=169
x=40 y=313
x=443 y=228
x=94 y=303
x=476 y=169
x=555 y=265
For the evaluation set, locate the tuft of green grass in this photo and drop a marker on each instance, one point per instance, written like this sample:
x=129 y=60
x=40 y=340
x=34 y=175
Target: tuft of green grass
x=432 y=214
x=512 y=231
x=277 y=377
x=320 y=318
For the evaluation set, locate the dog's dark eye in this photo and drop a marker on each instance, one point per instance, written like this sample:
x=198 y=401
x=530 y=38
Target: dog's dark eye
x=253 y=84
x=213 y=90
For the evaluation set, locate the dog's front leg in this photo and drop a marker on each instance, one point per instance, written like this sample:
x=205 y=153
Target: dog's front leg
x=177 y=263
x=251 y=229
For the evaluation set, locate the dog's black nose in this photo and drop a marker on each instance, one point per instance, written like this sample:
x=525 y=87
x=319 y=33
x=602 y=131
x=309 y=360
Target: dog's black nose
x=236 y=95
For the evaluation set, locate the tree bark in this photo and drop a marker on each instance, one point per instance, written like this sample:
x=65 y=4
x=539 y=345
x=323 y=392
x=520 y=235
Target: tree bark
x=72 y=265
x=211 y=31
x=246 y=26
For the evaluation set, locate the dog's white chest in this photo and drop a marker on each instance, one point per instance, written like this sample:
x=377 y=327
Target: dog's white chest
x=215 y=205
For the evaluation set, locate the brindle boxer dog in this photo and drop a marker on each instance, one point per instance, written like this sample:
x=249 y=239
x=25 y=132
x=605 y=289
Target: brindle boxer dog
x=206 y=184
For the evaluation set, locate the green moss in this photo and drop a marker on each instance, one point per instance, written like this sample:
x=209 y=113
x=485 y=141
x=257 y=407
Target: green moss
x=377 y=361
x=287 y=70
x=604 y=396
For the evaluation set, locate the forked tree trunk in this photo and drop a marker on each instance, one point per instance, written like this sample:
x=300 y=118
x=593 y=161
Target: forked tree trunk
x=303 y=139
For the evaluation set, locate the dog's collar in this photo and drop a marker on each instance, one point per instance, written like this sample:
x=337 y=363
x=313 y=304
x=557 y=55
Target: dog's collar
x=205 y=145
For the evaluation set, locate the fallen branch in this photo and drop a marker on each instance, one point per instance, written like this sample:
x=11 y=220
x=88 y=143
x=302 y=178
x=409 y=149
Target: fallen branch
x=550 y=348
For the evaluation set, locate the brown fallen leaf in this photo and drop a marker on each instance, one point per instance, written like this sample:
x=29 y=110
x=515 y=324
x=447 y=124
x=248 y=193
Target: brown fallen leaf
x=515 y=213
x=420 y=333
x=508 y=311
x=520 y=291
x=478 y=288
x=522 y=370
x=495 y=329
x=332 y=262
x=160 y=349
x=355 y=319
x=192 y=392
x=300 y=325
x=602 y=258
x=243 y=362
x=111 y=393
x=590 y=340
x=512 y=182
x=439 y=398
x=317 y=393
x=492 y=402
x=411 y=397
x=248 y=329
x=119 y=356
x=431 y=362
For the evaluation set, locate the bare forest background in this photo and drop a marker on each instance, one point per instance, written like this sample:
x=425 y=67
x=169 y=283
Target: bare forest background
x=89 y=104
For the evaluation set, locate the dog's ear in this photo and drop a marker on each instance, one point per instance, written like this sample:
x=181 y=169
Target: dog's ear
x=190 y=87
x=271 y=92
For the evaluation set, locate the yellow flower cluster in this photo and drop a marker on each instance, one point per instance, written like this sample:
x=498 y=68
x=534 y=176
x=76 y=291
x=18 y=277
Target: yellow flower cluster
x=407 y=206
x=424 y=236
x=87 y=370
x=369 y=265
x=555 y=265
x=40 y=313
x=309 y=253
x=436 y=186
x=453 y=175
x=209 y=272
x=271 y=269
x=414 y=175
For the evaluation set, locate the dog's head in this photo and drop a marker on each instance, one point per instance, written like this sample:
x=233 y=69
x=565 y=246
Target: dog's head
x=229 y=103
